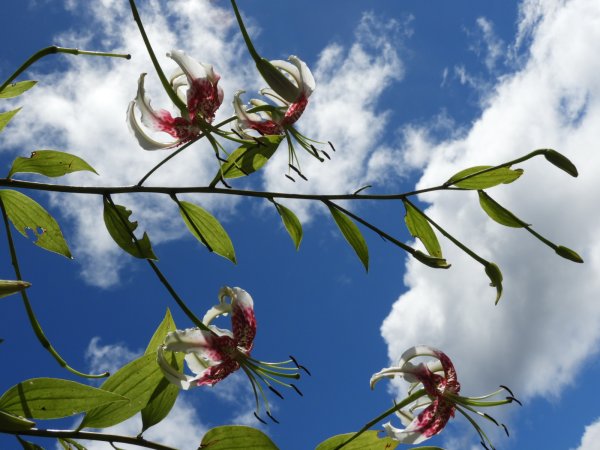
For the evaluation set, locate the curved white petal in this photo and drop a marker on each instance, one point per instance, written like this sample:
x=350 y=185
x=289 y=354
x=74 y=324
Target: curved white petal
x=145 y=141
x=268 y=92
x=216 y=311
x=188 y=340
x=198 y=364
x=241 y=113
x=404 y=436
x=306 y=81
x=149 y=117
x=193 y=69
x=172 y=374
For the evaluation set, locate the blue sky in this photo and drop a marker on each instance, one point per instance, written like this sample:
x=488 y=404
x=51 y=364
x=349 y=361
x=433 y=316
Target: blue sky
x=410 y=92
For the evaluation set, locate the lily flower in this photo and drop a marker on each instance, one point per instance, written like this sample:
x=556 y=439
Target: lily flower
x=213 y=353
x=196 y=84
x=435 y=392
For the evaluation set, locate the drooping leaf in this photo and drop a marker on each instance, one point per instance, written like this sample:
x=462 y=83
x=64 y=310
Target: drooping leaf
x=561 y=161
x=420 y=228
x=163 y=398
x=291 y=224
x=352 y=234
x=501 y=175
x=26 y=214
x=495 y=276
x=431 y=261
x=70 y=444
x=568 y=254
x=207 y=229
x=498 y=213
x=11 y=422
x=236 y=437
x=28 y=445
x=50 y=163
x=366 y=441
x=5 y=117
x=250 y=157
x=116 y=219
x=16 y=89
x=52 y=398
x=9 y=287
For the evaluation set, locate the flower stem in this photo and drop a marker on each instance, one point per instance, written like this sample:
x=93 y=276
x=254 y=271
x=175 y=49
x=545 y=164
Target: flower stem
x=53 y=50
x=35 y=325
x=255 y=56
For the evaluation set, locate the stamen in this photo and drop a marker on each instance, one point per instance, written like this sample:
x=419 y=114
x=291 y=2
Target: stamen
x=316 y=153
x=272 y=418
x=513 y=399
x=507 y=389
x=484 y=446
x=289 y=177
x=326 y=155
x=505 y=429
x=331 y=145
x=259 y=419
x=300 y=366
x=276 y=392
x=259 y=142
x=487 y=416
x=237 y=133
x=296 y=389
x=295 y=169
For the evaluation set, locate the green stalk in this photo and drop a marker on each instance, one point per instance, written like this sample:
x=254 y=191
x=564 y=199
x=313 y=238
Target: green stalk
x=35 y=324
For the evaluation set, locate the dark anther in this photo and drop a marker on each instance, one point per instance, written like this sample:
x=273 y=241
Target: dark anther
x=297 y=390
x=259 y=142
x=484 y=446
x=259 y=419
x=507 y=389
x=224 y=183
x=272 y=418
x=305 y=369
x=326 y=155
x=331 y=145
x=295 y=361
x=276 y=392
x=289 y=177
x=487 y=416
x=513 y=399
x=299 y=366
x=505 y=429
x=295 y=169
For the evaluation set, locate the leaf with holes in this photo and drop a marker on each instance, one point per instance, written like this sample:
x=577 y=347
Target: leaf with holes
x=485 y=180
x=116 y=219
x=50 y=163
x=352 y=235
x=207 y=229
x=26 y=214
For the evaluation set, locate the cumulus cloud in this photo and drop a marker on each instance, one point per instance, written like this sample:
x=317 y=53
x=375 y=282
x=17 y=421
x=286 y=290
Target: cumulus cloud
x=591 y=436
x=547 y=323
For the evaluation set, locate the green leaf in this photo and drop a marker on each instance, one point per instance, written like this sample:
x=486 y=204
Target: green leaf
x=5 y=117
x=291 y=223
x=163 y=398
x=568 y=254
x=52 y=398
x=207 y=230
x=16 y=89
x=25 y=213
x=50 y=163
x=236 y=437
x=11 y=422
x=116 y=219
x=498 y=213
x=141 y=381
x=420 y=228
x=431 y=261
x=250 y=157
x=366 y=441
x=495 y=275
x=352 y=235
x=135 y=381
x=9 y=287
x=29 y=445
x=70 y=444
x=501 y=175
x=561 y=161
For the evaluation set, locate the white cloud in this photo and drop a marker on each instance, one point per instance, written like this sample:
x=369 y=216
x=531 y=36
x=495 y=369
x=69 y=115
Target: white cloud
x=547 y=323
x=591 y=436
x=111 y=357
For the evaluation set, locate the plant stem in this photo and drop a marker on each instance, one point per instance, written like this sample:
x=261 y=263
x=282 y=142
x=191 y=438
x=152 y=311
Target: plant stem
x=53 y=50
x=35 y=325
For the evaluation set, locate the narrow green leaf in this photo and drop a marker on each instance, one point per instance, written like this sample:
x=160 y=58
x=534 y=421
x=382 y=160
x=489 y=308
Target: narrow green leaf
x=11 y=422
x=236 y=437
x=52 y=398
x=420 y=228
x=5 y=117
x=498 y=213
x=116 y=219
x=495 y=275
x=50 y=163
x=70 y=444
x=207 y=230
x=366 y=441
x=26 y=214
x=561 y=161
x=16 y=89
x=502 y=175
x=9 y=287
x=352 y=235
x=291 y=223
x=163 y=398
x=135 y=381
x=431 y=261
x=28 y=445
x=568 y=254
x=250 y=157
